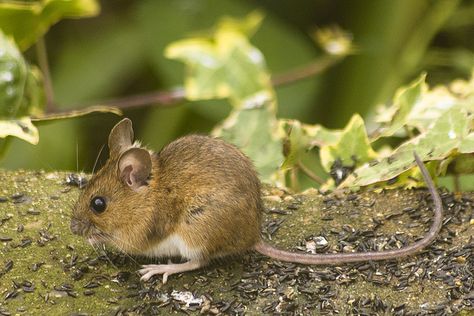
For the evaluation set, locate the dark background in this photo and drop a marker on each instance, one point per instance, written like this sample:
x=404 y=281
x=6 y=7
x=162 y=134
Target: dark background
x=120 y=53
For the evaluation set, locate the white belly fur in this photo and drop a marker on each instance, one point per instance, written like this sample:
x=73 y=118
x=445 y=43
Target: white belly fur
x=173 y=246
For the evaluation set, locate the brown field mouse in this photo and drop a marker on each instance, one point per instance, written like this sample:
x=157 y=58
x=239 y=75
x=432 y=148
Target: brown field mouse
x=198 y=198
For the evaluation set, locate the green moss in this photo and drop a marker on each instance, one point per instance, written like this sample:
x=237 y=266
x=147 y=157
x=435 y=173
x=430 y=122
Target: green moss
x=44 y=212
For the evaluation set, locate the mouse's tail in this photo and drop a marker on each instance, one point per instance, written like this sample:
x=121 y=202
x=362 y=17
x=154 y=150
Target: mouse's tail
x=337 y=258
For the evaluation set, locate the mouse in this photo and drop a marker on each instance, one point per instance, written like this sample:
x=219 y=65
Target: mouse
x=198 y=198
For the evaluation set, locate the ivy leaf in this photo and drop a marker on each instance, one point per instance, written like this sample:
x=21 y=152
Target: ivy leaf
x=21 y=128
x=247 y=26
x=404 y=101
x=257 y=134
x=467 y=144
x=26 y=21
x=463 y=164
x=303 y=137
x=13 y=74
x=76 y=113
x=21 y=87
x=21 y=93
x=416 y=106
x=295 y=144
x=442 y=138
x=321 y=136
x=352 y=147
x=225 y=65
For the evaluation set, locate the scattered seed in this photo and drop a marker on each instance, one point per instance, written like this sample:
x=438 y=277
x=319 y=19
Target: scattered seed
x=89 y=292
x=8 y=265
x=28 y=289
x=278 y=211
x=293 y=207
x=72 y=294
x=76 y=180
x=92 y=284
x=11 y=294
x=25 y=242
x=35 y=266
x=20 y=198
x=33 y=212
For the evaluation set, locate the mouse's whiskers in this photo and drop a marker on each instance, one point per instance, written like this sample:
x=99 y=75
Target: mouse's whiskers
x=116 y=244
x=97 y=159
x=102 y=253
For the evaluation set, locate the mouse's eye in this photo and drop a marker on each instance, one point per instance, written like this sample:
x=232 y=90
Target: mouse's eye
x=98 y=204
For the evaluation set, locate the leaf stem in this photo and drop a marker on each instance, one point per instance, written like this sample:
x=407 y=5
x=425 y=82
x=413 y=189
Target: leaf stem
x=310 y=173
x=42 y=55
x=294 y=179
x=457 y=183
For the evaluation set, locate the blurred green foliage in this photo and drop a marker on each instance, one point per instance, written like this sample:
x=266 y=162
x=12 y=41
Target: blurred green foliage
x=121 y=52
x=25 y=21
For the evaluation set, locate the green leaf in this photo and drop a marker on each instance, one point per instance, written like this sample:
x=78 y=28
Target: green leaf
x=295 y=144
x=403 y=103
x=13 y=76
x=21 y=128
x=442 y=139
x=22 y=96
x=21 y=93
x=224 y=66
x=25 y=21
x=77 y=113
x=463 y=164
x=247 y=26
x=33 y=101
x=21 y=89
x=302 y=138
x=467 y=144
x=416 y=106
x=353 y=146
x=321 y=136
x=257 y=134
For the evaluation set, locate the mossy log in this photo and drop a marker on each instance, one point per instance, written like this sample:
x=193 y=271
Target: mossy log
x=45 y=270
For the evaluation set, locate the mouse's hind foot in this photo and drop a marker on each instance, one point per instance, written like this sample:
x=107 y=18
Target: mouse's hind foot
x=166 y=270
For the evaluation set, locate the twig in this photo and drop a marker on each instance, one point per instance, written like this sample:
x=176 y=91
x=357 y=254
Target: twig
x=161 y=98
x=310 y=173
x=170 y=98
x=44 y=65
x=306 y=71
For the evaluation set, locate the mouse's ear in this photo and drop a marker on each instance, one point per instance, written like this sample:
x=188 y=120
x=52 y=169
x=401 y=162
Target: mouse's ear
x=121 y=137
x=134 y=167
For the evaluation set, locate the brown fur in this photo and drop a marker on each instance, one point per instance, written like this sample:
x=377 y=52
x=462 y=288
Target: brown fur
x=201 y=188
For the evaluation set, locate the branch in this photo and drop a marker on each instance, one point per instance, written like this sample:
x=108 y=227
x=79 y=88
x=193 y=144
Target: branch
x=168 y=98
x=306 y=71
